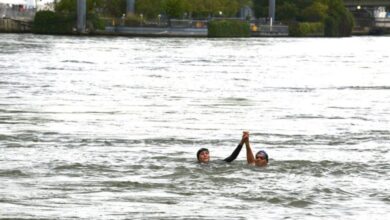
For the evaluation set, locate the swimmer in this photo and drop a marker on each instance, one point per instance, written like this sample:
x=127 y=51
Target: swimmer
x=203 y=154
x=261 y=159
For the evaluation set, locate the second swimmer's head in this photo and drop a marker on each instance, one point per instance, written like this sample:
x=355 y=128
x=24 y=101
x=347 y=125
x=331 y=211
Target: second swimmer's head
x=261 y=159
x=262 y=155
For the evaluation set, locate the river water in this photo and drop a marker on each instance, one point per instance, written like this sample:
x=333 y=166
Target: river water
x=108 y=128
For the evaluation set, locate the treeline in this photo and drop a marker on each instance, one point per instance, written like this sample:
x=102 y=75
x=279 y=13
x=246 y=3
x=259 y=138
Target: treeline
x=64 y=18
x=152 y=8
x=304 y=17
x=191 y=8
x=310 y=17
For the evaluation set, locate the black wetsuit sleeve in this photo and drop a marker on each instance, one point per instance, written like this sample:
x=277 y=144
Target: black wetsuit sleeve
x=234 y=155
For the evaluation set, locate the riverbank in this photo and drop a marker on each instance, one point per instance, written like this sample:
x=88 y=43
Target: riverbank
x=15 y=26
x=261 y=31
x=153 y=32
x=8 y=25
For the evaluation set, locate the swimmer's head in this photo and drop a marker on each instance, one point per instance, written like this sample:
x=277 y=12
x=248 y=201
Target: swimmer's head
x=261 y=158
x=203 y=155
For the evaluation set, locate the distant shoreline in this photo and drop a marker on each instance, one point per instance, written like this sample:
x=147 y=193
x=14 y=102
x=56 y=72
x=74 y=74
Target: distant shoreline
x=13 y=26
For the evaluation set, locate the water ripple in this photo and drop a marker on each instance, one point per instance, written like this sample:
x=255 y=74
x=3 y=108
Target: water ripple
x=108 y=128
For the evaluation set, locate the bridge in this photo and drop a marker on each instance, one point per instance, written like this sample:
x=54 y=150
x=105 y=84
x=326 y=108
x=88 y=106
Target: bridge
x=372 y=3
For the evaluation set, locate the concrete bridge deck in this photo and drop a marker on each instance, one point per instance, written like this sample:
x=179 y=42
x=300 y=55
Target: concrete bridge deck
x=374 y=3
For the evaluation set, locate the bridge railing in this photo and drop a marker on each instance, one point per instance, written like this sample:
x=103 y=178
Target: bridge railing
x=188 y=23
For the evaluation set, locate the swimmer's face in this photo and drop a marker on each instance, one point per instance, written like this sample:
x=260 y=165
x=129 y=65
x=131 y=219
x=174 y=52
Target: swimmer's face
x=204 y=157
x=260 y=160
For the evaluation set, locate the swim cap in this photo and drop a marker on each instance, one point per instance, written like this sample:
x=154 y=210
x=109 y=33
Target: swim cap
x=265 y=154
x=200 y=151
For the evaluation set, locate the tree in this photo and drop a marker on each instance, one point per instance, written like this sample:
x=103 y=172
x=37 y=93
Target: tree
x=315 y=12
x=149 y=8
x=173 y=8
x=70 y=6
x=287 y=12
x=66 y=6
x=339 y=21
x=115 y=8
x=260 y=8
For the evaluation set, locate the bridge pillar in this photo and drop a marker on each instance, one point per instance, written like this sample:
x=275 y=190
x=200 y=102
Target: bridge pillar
x=130 y=6
x=81 y=15
x=271 y=10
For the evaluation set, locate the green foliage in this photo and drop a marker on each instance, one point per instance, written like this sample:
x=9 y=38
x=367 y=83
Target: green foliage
x=67 y=9
x=260 y=8
x=133 y=20
x=339 y=21
x=195 y=8
x=306 y=29
x=228 y=28
x=48 y=22
x=174 y=8
x=336 y=19
x=95 y=22
x=331 y=29
x=114 y=8
x=69 y=6
x=149 y=8
x=230 y=8
x=66 y=6
x=287 y=11
x=212 y=8
x=315 y=12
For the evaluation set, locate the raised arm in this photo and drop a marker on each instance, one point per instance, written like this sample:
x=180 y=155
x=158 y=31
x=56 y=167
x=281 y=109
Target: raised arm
x=249 y=154
x=236 y=151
